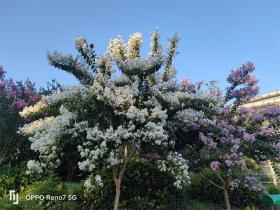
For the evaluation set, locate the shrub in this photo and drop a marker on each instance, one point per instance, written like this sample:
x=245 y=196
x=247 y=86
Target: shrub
x=144 y=187
x=241 y=197
x=53 y=187
x=6 y=183
x=13 y=178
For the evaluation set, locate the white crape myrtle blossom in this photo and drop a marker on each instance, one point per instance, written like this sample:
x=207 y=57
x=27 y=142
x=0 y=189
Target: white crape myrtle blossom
x=190 y=116
x=120 y=51
x=91 y=182
x=98 y=180
x=121 y=115
x=116 y=48
x=179 y=169
x=31 y=110
x=162 y=166
x=158 y=114
x=96 y=147
x=36 y=126
x=134 y=45
x=34 y=167
x=44 y=140
x=134 y=113
x=155 y=133
x=112 y=159
x=177 y=166
x=175 y=99
x=88 y=184
x=156 y=48
x=132 y=66
x=56 y=97
x=119 y=96
x=78 y=128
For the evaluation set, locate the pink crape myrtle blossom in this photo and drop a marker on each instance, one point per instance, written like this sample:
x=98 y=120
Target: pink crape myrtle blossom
x=20 y=94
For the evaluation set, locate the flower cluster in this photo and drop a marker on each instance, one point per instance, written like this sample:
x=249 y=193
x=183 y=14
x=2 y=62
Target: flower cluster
x=45 y=136
x=93 y=182
x=34 y=167
x=192 y=119
x=55 y=98
x=208 y=140
x=252 y=183
x=242 y=77
x=116 y=49
x=178 y=167
x=19 y=94
x=215 y=165
x=134 y=45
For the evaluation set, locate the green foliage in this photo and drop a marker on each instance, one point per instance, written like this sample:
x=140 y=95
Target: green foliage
x=272 y=189
x=9 y=140
x=143 y=187
x=198 y=205
x=276 y=167
x=200 y=189
x=6 y=183
x=53 y=187
x=13 y=178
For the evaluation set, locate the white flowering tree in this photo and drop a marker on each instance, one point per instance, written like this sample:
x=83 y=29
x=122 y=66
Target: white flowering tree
x=117 y=113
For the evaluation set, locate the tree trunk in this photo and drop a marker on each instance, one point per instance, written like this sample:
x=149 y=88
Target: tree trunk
x=118 y=193
x=70 y=173
x=226 y=199
x=70 y=167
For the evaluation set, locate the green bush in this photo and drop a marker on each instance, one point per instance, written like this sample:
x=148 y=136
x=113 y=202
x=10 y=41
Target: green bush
x=198 y=205
x=6 y=183
x=203 y=191
x=143 y=187
x=51 y=186
x=12 y=178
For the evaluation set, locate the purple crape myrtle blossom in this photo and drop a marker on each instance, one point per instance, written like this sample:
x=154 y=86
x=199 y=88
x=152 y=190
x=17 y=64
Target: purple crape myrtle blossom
x=238 y=134
x=252 y=183
x=243 y=84
x=188 y=86
x=249 y=137
x=227 y=135
x=215 y=165
x=273 y=111
x=208 y=140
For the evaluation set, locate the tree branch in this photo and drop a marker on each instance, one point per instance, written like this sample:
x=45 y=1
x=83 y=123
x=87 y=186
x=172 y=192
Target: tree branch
x=211 y=182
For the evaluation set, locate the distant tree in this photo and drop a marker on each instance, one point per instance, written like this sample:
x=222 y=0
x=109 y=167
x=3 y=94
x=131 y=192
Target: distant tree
x=14 y=97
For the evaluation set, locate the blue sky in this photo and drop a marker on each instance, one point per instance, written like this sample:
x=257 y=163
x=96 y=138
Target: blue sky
x=216 y=35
